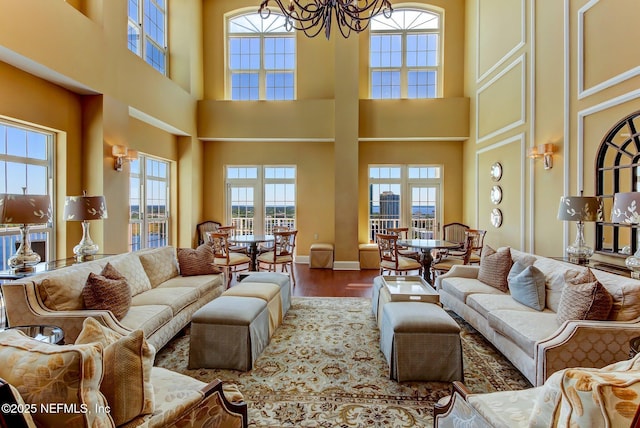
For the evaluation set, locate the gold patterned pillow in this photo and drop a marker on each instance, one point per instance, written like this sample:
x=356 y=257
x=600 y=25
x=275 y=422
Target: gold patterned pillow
x=198 y=261
x=127 y=370
x=160 y=265
x=583 y=298
x=495 y=267
x=129 y=265
x=107 y=291
x=46 y=374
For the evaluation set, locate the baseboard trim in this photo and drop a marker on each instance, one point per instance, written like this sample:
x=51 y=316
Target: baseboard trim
x=354 y=265
x=302 y=260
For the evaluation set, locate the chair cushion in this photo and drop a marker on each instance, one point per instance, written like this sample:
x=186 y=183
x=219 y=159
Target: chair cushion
x=524 y=328
x=494 y=267
x=268 y=258
x=148 y=318
x=404 y=263
x=127 y=370
x=176 y=298
x=234 y=259
x=45 y=373
x=584 y=298
x=505 y=409
x=527 y=285
x=461 y=288
x=160 y=265
x=198 y=261
x=107 y=291
x=485 y=303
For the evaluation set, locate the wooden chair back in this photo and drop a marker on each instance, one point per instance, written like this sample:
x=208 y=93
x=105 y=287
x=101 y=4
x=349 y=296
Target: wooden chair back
x=454 y=232
x=204 y=227
x=220 y=243
x=388 y=247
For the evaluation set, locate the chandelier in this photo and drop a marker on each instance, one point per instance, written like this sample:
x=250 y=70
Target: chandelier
x=311 y=16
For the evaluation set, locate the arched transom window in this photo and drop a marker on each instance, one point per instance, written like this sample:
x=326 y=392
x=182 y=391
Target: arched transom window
x=405 y=54
x=261 y=58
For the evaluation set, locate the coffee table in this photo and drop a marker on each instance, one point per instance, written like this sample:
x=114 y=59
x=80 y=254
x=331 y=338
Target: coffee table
x=410 y=289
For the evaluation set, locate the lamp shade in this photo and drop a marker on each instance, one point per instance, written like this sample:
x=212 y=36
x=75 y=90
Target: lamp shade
x=24 y=209
x=625 y=208
x=81 y=208
x=580 y=208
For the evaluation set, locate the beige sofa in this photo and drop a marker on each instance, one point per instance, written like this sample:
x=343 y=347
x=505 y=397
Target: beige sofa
x=533 y=340
x=162 y=300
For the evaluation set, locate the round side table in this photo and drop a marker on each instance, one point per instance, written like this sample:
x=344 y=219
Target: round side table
x=43 y=333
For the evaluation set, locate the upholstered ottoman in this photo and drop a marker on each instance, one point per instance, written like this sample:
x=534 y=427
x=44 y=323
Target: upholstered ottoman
x=321 y=256
x=369 y=256
x=229 y=332
x=280 y=279
x=421 y=342
x=268 y=292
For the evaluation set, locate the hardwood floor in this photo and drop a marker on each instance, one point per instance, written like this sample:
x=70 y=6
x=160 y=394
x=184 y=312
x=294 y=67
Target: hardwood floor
x=332 y=283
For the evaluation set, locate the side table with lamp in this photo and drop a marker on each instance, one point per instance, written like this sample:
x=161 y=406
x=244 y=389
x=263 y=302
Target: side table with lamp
x=85 y=208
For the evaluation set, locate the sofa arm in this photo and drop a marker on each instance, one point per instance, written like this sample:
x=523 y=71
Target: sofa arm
x=215 y=410
x=457 y=411
x=24 y=307
x=462 y=271
x=584 y=344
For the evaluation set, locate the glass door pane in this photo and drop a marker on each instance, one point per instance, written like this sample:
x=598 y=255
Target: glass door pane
x=243 y=208
x=424 y=211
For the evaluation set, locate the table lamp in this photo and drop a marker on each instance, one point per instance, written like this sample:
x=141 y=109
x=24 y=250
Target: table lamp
x=85 y=208
x=625 y=210
x=24 y=210
x=580 y=209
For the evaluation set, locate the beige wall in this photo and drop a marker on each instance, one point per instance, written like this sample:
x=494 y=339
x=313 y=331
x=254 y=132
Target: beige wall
x=332 y=107
x=80 y=80
x=525 y=88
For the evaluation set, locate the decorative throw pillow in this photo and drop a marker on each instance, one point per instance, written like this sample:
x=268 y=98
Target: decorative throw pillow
x=44 y=373
x=107 y=291
x=198 y=261
x=527 y=285
x=10 y=396
x=127 y=370
x=588 y=397
x=160 y=265
x=494 y=267
x=584 y=298
x=130 y=267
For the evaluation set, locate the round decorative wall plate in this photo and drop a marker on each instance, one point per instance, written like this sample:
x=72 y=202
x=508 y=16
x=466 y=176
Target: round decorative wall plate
x=496 y=171
x=496 y=217
x=496 y=194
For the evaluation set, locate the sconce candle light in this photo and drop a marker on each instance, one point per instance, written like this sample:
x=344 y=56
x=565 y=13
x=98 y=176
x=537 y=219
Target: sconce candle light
x=121 y=154
x=625 y=210
x=580 y=209
x=24 y=210
x=545 y=151
x=84 y=208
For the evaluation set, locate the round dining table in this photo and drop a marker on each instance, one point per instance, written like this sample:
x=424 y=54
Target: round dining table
x=252 y=242
x=426 y=246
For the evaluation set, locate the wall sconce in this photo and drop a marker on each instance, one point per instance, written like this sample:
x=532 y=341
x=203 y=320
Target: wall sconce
x=121 y=154
x=545 y=151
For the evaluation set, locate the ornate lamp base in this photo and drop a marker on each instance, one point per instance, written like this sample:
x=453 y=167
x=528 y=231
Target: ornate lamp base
x=579 y=252
x=25 y=258
x=86 y=248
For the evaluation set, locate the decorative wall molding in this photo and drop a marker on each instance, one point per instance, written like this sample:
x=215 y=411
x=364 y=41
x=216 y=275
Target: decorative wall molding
x=585 y=92
x=480 y=77
x=523 y=99
x=523 y=158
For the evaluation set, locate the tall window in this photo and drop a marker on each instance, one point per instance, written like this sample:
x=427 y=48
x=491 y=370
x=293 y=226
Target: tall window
x=405 y=55
x=262 y=58
x=260 y=197
x=26 y=162
x=404 y=196
x=147 y=33
x=148 y=203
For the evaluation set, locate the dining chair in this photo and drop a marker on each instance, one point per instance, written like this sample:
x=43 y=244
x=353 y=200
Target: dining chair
x=264 y=247
x=226 y=259
x=204 y=227
x=454 y=232
x=403 y=250
x=476 y=250
x=390 y=258
x=284 y=244
x=444 y=265
x=231 y=231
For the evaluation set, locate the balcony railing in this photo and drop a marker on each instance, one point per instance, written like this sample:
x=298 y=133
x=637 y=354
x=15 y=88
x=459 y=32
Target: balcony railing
x=421 y=228
x=244 y=226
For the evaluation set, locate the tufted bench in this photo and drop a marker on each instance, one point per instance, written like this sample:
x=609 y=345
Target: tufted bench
x=321 y=256
x=268 y=292
x=369 y=256
x=229 y=332
x=420 y=342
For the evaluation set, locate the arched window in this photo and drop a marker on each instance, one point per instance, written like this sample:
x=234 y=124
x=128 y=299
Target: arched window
x=618 y=171
x=262 y=58
x=405 y=54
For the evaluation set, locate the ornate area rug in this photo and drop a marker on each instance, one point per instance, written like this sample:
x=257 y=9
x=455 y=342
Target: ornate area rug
x=324 y=368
